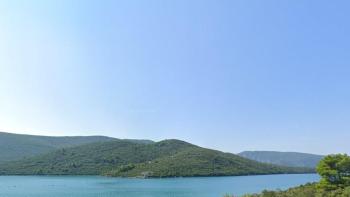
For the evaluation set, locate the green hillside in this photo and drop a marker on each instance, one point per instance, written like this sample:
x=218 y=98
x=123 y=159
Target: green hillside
x=92 y=159
x=335 y=181
x=17 y=146
x=197 y=161
x=127 y=158
x=292 y=159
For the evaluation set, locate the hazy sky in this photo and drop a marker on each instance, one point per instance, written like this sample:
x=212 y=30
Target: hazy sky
x=230 y=75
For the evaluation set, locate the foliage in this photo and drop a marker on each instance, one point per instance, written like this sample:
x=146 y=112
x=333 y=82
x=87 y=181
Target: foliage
x=335 y=181
x=308 y=190
x=335 y=171
x=127 y=158
x=89 y=159
x=16 y=146
x=197 y=161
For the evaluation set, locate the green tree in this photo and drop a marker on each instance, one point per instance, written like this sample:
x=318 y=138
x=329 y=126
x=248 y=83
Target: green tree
x=335 y=171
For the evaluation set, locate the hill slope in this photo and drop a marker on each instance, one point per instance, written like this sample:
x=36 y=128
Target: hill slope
x=292 y=159
x=127 y=158
x=17 y=146
x=197 y=161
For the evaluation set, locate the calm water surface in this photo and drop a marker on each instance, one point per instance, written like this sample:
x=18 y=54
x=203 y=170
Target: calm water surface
x=95 y=186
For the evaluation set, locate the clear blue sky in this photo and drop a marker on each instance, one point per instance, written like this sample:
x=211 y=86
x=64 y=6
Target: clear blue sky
x=230 y=75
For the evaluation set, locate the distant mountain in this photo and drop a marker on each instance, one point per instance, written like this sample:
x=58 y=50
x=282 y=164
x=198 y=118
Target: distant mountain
x=292 y=159
x=18 y=146
x=166 y=158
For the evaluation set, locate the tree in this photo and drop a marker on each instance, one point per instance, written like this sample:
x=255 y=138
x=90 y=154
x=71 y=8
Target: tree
x=335 y=171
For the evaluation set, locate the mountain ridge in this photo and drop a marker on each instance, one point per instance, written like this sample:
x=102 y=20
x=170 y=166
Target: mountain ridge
x=167 y=158
x=18 y=146
x=292 y=159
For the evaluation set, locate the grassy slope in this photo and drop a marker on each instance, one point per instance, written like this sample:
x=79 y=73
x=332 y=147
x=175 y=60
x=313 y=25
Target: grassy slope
x=165 y=158
x=284 y=158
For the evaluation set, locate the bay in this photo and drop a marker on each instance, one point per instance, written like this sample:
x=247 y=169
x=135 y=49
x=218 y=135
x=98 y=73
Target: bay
x=97 y=186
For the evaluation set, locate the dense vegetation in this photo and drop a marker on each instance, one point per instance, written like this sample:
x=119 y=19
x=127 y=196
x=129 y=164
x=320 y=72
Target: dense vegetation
x=90 y=159
x=335 y=181
x=292 y=159
x=16 y=146
x=335 y=172
x=128 y=158
x=197 y=161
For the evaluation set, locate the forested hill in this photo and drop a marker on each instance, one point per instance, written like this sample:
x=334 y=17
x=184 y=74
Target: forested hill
x=126 y=158
x=292 y=159
x=18 y=146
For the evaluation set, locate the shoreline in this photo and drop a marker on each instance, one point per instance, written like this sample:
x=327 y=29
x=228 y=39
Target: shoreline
x=175 y=177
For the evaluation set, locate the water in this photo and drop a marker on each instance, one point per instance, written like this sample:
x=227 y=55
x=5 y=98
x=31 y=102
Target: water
x=95 y=186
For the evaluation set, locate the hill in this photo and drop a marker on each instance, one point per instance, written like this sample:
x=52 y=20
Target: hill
x=127 y=158
x=197 y=161
x=292 y=159
x=18 y=146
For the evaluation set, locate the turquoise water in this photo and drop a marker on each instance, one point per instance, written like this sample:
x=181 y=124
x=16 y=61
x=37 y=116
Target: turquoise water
x=95 y=186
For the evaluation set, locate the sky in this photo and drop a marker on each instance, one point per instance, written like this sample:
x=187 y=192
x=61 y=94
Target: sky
x=232 y=75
